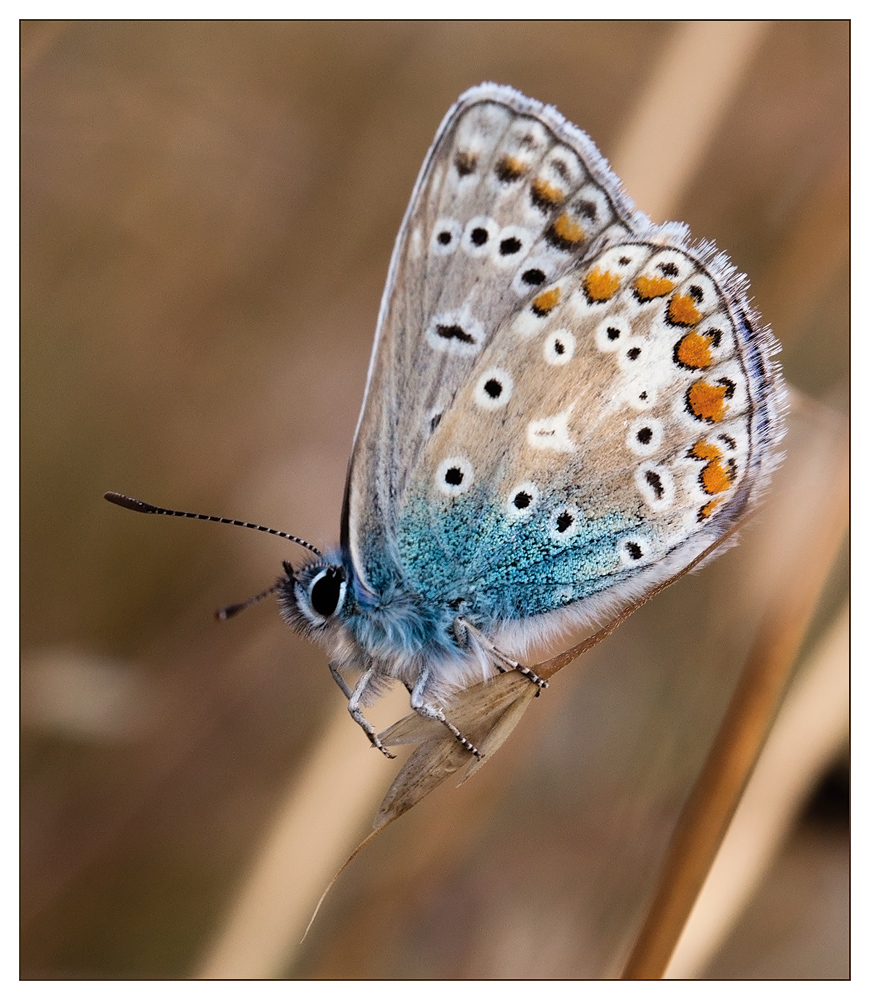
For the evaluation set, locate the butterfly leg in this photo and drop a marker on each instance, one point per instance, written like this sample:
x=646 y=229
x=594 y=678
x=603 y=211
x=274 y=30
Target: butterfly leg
x=503 y=662
x=429 y=711
x=340 y=681
x=353 y=706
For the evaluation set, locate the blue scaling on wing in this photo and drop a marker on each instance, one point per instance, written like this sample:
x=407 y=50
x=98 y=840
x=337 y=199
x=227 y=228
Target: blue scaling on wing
x=458 y=549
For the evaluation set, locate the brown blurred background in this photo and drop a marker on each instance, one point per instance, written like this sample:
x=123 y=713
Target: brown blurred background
x=208 y=211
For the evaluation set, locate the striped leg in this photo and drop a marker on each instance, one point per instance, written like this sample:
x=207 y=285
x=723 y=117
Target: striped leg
x=503 y=662
x=429 y=711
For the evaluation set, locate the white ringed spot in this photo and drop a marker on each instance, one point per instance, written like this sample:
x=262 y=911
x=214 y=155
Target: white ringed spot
x=532 y=276
x=445 y=237
x=522 y=501
x=513 y=244
x=656 y=485
x=454 y=476
x=634 y=551
x=632 y=355
x=559 y=347
x=480 y=236
x=564 y=523
x=612 y=332
x=645 y=436
x=456 y=332
x=494 y=388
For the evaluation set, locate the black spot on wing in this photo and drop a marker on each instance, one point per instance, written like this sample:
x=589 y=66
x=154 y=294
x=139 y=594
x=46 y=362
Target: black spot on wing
x=454 y=332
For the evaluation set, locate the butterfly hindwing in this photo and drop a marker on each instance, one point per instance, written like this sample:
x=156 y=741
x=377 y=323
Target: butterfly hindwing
x=609 y=433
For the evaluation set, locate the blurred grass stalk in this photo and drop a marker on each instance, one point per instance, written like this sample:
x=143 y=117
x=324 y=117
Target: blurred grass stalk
x=810 y=731
x=817 y=523
x=316 y=826
x=679 y=110
x=321 y=816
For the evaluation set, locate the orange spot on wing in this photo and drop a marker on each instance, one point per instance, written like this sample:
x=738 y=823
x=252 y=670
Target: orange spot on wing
x=568 y=229
x=716 y=477
x=652 y=288
x=707 y=402
x=546 y=302
x=683 y=311
x=705 y=451
x=693 y=351
x=509 y=168
x=545 y=194
x=707 y=510
x=600 y=285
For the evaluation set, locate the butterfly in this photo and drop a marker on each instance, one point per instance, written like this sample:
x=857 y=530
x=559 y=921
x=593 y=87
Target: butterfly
x=566 y=405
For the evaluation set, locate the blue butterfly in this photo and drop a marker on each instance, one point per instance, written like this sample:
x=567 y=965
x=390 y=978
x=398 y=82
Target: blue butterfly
x=566 y=405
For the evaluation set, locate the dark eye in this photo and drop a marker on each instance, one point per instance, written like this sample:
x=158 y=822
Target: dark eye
x=325 y=593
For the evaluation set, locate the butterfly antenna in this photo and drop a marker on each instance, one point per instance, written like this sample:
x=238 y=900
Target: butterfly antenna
x=148 y=508
x=222 y=614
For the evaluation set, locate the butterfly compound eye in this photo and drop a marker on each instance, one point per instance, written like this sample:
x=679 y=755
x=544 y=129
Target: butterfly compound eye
x=326 y=592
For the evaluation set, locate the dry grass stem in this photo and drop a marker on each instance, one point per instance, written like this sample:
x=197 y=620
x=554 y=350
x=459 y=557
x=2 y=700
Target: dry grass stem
x=313 y=831
x=712 y=803
x=809 y=732
x=656 y=173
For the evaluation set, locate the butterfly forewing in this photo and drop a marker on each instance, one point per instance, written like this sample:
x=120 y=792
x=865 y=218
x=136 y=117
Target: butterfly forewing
x=510 y=198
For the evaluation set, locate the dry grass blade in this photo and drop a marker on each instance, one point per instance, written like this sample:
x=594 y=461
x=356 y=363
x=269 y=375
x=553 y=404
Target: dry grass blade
x=810 y=732
x=655 y=172
x=495 y=708
x=487 y=712
x=424 y=771
x=296 y=856
x=714 y=799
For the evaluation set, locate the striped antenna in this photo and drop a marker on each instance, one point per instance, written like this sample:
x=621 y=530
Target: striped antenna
x=233 y=609
x=148 y=508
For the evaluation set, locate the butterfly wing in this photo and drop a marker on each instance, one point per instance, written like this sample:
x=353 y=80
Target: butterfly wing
x=614 y=427
x=566 y=404
x=510 y=197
